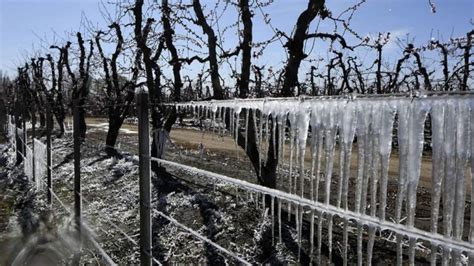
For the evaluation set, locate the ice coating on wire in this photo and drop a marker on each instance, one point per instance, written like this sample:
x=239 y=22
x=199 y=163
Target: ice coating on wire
x=366 y=125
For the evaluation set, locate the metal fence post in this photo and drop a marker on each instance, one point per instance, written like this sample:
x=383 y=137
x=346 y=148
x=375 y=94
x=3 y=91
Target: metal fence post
x=144 y=172
x=33 y=133
x=48 y=153
x=24 y=134
x=77 y=165
x=18 y=147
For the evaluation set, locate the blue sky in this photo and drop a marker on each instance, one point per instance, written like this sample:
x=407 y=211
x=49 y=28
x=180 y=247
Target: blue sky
x=24 y=22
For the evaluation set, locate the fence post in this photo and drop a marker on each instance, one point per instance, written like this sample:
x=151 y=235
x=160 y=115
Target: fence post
x=18 y=146
x=77 y=165
x=33 y=134
x=24 y=134
x=48 y=153
x=144 y=172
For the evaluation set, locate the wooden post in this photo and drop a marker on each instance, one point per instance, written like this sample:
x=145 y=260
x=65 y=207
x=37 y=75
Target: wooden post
x=77 y=165
x=48 y=153
x=144 y=172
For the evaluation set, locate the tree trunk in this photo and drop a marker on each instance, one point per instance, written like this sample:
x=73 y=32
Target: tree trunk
x=42 y=120
x=295 y=46
x=82 y=120
x=246 y=47
x=267 y=176
x=60 y=120
x=115 y=123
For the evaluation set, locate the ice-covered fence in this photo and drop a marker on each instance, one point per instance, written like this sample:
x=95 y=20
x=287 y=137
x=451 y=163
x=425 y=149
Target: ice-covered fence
x=68 y=130
x=364 y=124
x=36 y=159
x=28 y=163
x=41 y=163
x=11 y=131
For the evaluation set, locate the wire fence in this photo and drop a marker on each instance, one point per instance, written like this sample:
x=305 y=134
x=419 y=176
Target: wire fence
x=329 y=125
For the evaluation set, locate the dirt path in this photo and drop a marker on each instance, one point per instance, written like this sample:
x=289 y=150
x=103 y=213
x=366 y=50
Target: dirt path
x=193 y=138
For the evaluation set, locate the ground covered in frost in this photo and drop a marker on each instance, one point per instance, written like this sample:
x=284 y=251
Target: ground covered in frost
x=110 y=208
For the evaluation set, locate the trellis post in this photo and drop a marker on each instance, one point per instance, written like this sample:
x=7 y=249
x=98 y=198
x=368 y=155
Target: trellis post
x=144 y=172
x=48 y=152
x=77 y=165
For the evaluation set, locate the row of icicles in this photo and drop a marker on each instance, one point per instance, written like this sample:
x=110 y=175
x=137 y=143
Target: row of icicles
x=337 y=125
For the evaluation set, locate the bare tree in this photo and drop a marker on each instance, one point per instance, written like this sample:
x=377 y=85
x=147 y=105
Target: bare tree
x=80 y=84
x=120 y=91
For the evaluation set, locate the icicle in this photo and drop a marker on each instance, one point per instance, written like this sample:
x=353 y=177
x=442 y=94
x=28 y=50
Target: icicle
x=260 y=133
x=296 y=217
x=206 y=126
x=298 y=232
x=434 y=251
x=267 y=137
x=343 y=154
x=313 y=162
x=360 y=230
x=347 y=135
x=297 y=162
x=437 y=139
x=292 y=141
x=237 y=118
x=231 y=117
x=317 y=142
x=311 y=234
x=320 y=235
x=218 y=123
x=411 y=250
x=281 y=134
x=199 y=114
x=256 y=200
x=374 y=168
x=345 y=239
x=330 y=222
x=273 y=220
x=403 y=117
x=462 y=155
x=415 y=142
x=385 y=149
x=274 y=125
x=302 y=126
x=224 y=116
x=290 y=176
x=399 y=249
x=471 y=233
x=369 y=140
x=449 y=171
x=213 y=122
x=283 y=121
x=257 y=137
x=247 y=113
x=370 y=244
x=361 y=143
x=279 y=220
x=330 y=139
x=375 y=136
